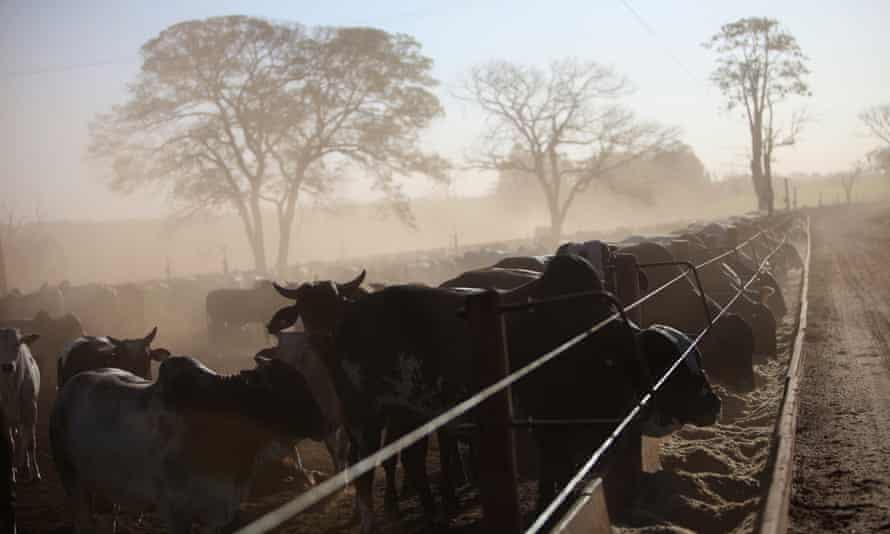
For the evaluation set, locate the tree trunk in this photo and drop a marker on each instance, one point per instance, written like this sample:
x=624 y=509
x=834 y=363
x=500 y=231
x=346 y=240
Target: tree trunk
x=763 y=186
x=769 y=192
x=285 y=230
x=557 y=218
x=257 y=238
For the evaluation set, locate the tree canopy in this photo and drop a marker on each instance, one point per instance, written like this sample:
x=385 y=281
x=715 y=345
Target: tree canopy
x=562 y=126
x=243 y=113
x=760 y=65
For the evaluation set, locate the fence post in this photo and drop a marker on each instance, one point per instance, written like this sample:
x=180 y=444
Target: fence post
x=3 y=286
x=680 y=249
x=497 y=452
x=732 y=237
x=628 y=284
x=622 y=476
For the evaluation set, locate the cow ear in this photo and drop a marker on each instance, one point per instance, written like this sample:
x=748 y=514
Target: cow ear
x=150 y=337
x=159 y=355
x=30 y=338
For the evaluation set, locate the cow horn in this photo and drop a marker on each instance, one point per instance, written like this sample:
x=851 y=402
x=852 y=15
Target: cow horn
x=285 y=292
x=349 y=287
x=151 y=336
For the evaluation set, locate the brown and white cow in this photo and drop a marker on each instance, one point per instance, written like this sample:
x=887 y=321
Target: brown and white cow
x=186 y=444
x=19 y=388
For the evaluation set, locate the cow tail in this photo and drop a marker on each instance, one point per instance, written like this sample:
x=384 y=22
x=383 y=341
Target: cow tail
x=64 y=465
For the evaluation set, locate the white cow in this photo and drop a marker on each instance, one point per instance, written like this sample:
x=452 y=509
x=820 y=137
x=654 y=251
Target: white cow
x=19 y=387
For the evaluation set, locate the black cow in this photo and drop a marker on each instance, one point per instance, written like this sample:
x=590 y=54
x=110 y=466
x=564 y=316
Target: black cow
x=723 y=279
x=89 y=352
x=404 y=354
x=229 y=309
x=320 y=302
x=728 y=348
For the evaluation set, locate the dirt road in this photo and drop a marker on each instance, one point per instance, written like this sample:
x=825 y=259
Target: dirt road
x=842 y=463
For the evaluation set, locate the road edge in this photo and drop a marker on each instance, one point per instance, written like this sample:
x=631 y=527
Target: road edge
x=774 y=514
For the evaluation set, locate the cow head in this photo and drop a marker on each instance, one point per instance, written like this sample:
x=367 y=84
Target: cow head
x=136 y=355
x=11 y=343
x=686 y=397
x=318 y=303
x=274 y=397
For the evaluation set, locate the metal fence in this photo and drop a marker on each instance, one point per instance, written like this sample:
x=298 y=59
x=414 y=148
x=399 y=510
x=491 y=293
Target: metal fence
x=339 y=481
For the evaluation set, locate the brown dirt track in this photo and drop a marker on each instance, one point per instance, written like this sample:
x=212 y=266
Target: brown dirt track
x=842 y=458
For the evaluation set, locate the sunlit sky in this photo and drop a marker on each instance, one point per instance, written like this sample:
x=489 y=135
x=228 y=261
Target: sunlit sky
x=61 y=62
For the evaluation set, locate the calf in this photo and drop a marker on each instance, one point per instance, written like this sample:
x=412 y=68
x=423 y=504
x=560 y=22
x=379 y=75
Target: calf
x=186 y=444
x=19 y=388
x=88 y=353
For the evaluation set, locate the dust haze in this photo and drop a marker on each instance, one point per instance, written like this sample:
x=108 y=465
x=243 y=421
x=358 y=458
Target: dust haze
x=72 y=210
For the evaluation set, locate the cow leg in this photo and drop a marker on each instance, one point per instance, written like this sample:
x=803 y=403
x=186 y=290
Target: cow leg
x=448 y=454
x=414 y=461
x=391 y=493
x=546 y=477
x=33 y=467
x=177 y=522
x=28 y=437
x=364 y=442
x=81 y=502
x=21 y=455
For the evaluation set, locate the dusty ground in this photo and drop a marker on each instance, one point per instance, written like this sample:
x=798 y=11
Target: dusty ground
x=712 y=481
x=842 y=464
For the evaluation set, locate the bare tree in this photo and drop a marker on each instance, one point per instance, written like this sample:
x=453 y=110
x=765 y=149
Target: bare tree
x=879 y=159
x=849 y=179
x=237 y=112
x=562 y=127
x=759 y=66
x=877 y=119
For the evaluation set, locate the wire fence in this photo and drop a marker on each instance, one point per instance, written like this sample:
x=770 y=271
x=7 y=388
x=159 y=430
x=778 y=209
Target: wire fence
x=342 y=479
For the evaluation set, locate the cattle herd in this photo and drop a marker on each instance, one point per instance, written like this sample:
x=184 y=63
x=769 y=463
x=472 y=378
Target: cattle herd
x=357 y=364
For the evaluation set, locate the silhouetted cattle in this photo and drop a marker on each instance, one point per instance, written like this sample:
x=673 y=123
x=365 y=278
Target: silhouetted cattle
x=88 y=353
x=231 y=309
x=403 y=354
x=186 y=444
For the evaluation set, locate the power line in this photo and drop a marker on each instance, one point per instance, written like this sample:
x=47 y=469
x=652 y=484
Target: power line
x=651 y=31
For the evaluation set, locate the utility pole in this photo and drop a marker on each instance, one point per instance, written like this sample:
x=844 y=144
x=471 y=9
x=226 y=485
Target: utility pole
x=4 y=288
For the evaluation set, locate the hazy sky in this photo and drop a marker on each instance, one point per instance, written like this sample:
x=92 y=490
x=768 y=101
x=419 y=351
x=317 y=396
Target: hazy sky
x=61 y=62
